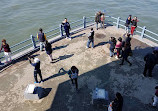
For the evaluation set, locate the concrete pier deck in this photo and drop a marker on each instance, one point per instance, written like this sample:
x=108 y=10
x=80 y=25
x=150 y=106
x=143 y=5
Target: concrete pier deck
x=96 y=69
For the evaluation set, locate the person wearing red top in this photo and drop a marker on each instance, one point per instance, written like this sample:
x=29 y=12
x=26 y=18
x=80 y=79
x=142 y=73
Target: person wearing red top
x=7 y=51
x=118 y=47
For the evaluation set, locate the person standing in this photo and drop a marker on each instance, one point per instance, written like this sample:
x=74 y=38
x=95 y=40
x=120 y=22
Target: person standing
x=128 y=21
x=42 y=38
x=150 y=62
x=117 y=104
x=155 y=99
x=125 y=54
x=98 y=19
x=134 y=25
x=73 y=74
x=91 y=38
x=48 y=49
x=7 y=51
x=37 y=69
x=112 y=43
x=102 y=20
x=67 y=28
x=118 y=47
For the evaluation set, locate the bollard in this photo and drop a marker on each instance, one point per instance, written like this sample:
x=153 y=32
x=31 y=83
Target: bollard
x=143 y=31
x=61 y=30
x=33 y=41
x=84 y=22
x=118 y=21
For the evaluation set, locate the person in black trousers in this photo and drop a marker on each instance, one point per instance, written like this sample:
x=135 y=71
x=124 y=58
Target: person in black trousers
x=150 y=61
x=73 y=74
x=125 y=53
x=48 y=49
x=117 y=104
x=37 y=69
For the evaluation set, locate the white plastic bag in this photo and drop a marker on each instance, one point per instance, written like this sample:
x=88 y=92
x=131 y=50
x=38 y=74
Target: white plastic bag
x=110 y=107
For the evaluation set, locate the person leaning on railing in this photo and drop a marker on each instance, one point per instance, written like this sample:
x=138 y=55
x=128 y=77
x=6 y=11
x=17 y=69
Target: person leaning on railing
x=7 y=51
x=42 y=38
x=67 y=28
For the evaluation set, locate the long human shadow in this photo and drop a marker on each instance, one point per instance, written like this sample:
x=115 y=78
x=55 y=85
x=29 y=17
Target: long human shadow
x=59 y=47
x=100 y=44
x=100 y=77
x=78 y=35
x=58 y=74
x=62 y=58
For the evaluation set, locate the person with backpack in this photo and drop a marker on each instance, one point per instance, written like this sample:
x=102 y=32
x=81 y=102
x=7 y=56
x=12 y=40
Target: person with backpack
x=73 y=74
x=91 y=38
x=48 y=49
x=7 y=51
x=37 y=69
x=42 y=38
x=67 y=28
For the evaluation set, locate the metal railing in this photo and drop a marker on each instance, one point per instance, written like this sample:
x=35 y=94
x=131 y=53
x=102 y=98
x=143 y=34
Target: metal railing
x=82 y=23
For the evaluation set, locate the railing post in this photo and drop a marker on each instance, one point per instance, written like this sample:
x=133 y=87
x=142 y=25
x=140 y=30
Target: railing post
x=33 y=41
x=118 y=21
x=84 y=22
x=61 y=29
x=143 y=31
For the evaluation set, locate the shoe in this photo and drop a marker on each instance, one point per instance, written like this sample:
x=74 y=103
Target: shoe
x=130 y=64
x=41 y=81
x=116 y=57
x=87 y=47
x=70 y=38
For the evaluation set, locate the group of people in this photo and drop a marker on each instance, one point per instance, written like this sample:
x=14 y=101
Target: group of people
x=132 y=22
x=99 y=19
x=122 y=48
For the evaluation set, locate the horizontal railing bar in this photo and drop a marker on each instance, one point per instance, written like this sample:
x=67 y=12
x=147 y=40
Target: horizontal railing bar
x=21 y=48
x=122 y=21
x=140 y=27
x=122 y=25
x=52 y=30
x=20 y=43
x=53 y=34
x=76 y=21
x=138 y=32
x=77 y=25
x=151 y=32
x=151 y=37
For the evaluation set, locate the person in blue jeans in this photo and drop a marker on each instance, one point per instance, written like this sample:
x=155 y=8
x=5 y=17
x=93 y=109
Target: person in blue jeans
x=67 y=28
x=112 y=43
x=91 y=38
x=37 y=69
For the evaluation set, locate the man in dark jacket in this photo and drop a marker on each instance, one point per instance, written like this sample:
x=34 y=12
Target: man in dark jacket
x=67 y=28
x=91 y=38
x=42 y=38
x=117 y=104
x=150 y=62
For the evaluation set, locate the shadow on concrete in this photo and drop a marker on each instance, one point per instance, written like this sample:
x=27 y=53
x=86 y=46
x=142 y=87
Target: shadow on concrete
x=78 y=35
x=100 y=44
x=58 y=74
x=45 y=92
x=59 y=47
x=62 y=58
x=66 y=97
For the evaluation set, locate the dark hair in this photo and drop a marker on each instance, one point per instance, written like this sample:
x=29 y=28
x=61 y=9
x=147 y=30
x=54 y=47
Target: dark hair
x=130 y=15
x=73 y=68
x=118 y=95
x=156 y=87
x=40 y=29
x=91 y=28
x=128 y=35
x=120 y=39
x=66 y=18
x=3 y=40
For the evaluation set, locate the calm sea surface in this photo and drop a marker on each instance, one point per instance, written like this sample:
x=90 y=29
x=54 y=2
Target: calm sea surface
x=21 y=18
